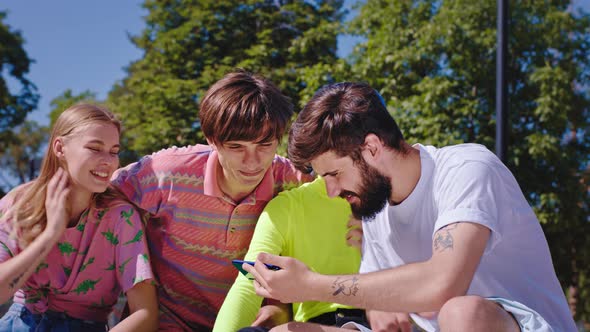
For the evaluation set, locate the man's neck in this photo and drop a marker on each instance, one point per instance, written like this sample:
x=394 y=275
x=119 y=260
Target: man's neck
x=235 y=192
x=404 y=174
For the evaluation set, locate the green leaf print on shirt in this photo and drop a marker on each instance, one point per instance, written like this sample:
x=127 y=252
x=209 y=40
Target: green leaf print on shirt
x=67 y=270
x=41 y=266
x=90 y=261
x=100 y=214
x=80 y=227
x=39 y=293
x=145 y=258
x=136 y=238
x=122 y=266
x=112 y=238
x=5 y=248
x=97 y=305
x=66 y=248
x=86 y=286
x=111 y=267
x=127 y=216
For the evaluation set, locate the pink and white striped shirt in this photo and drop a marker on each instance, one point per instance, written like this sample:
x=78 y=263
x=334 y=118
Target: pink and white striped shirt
x=196 y=230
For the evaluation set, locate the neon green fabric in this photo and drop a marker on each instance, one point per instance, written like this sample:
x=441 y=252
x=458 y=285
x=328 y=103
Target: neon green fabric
x=303 y=223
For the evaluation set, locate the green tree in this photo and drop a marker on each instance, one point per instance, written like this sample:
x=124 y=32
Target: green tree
x=189 y=44
x=15 y=62
x=67 y=99
x=434 y=62
x=22 y=155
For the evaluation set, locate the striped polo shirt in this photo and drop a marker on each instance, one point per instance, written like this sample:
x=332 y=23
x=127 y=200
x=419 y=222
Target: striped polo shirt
x=196 y=230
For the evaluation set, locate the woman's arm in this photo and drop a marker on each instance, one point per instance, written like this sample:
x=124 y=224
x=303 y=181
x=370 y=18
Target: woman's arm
x=143 y=307
x=16 y=270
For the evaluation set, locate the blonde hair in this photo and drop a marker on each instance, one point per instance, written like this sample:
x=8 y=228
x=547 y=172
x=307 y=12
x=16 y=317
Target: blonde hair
x=28 y=211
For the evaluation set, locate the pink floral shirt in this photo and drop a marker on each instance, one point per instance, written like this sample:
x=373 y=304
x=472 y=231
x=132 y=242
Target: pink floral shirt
x=92 y=262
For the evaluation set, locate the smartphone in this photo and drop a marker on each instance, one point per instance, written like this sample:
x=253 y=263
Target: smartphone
x=238 y=264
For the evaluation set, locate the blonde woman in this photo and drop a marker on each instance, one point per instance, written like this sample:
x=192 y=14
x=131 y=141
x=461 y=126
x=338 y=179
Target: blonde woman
x=69 y=244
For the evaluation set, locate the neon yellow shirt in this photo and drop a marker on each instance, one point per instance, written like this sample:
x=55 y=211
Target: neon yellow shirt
x=303 y=223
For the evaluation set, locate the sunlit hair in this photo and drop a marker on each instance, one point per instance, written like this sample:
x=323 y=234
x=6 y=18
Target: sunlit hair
x=338 y=118
x=28 y=211
x=244 y=107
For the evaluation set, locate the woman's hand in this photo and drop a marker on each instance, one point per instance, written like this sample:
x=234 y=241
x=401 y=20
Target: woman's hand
x=56 y=203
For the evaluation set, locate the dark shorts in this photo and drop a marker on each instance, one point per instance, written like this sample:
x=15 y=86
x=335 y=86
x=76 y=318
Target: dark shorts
x=333 y=318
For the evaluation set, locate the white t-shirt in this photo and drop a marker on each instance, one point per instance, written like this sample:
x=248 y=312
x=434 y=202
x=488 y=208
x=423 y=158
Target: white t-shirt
x=468 y=183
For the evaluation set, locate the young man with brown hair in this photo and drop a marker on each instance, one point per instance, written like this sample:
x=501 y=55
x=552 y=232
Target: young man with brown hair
x=204 y=200
x=446 y=230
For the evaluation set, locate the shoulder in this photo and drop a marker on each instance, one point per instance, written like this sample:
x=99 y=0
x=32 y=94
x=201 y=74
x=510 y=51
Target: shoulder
x=173 y=159
x=12 y=197
x=285 y=175
x=179 y=155
x=457 y=155
x=463 y=162
x=116 y=209
x=306 y=190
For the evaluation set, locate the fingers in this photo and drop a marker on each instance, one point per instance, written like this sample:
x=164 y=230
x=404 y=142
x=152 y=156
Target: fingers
x=260 y=290
x=261 y=273
x=57 y=183
x=52 y=184
x=354 y=238
x=260 y=319
x=272 y=259
x=354 y=223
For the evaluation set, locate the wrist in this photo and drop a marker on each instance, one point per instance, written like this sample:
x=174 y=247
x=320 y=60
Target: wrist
x=316 y=287
x=49 y=235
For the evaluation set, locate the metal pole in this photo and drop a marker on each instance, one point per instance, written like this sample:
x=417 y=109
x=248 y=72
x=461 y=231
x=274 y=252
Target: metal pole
x=501 y=80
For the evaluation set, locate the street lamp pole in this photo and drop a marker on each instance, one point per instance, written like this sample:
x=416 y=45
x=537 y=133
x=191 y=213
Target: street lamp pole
x=501 y=80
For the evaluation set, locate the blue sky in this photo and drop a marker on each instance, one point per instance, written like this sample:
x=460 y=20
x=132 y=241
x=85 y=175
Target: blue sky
x=79 y=44
x=83 y=45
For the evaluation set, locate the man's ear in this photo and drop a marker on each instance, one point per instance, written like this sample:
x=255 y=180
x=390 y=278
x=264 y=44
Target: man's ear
x=372 y=147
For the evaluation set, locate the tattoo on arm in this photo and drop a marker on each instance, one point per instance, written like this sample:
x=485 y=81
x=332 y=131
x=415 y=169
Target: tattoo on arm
x=443 y=239
x=345 y=286
x=15 y=281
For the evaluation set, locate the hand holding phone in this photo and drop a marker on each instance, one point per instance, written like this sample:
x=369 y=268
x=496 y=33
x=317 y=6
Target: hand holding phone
x=238 y=265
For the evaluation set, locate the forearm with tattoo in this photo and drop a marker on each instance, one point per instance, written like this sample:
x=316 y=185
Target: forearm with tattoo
x=347 y=286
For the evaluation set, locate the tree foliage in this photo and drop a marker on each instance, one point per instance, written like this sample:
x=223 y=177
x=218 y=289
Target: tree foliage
x=190 y=44
x=22 y=156
x=14 y=62
x=67 y=99
x=434 y=62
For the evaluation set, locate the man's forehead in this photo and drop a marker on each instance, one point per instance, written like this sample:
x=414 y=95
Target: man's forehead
x=328 y=162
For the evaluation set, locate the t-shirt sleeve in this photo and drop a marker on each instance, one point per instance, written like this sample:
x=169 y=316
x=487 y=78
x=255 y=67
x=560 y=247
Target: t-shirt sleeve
x=242 y=304
x=136 y=180
x=131 y=257
x=470 y=193
x=8 y=244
